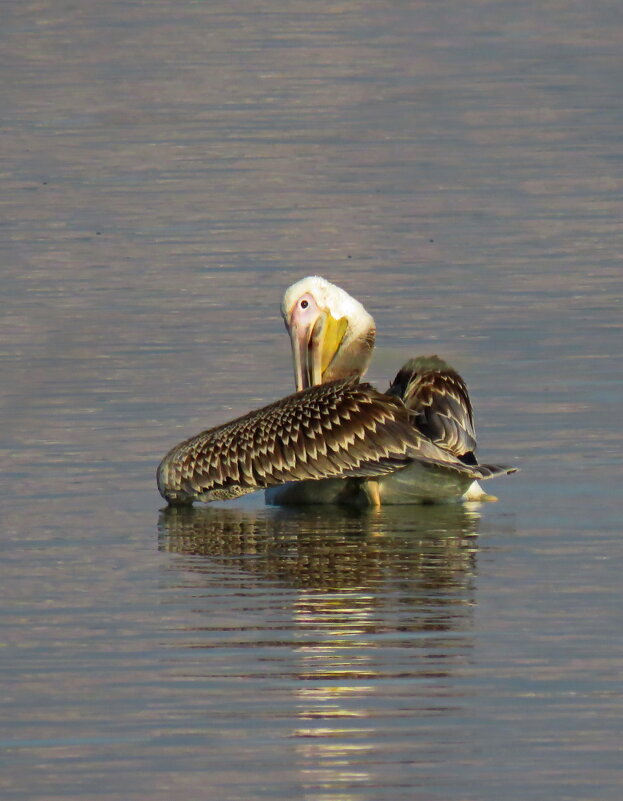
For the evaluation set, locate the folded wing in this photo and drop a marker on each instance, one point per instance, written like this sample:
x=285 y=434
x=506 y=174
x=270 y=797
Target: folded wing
x=338 y=429
x=439 y=402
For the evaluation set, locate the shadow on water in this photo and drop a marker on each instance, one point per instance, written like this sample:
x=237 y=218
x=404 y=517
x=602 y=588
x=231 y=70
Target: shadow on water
x=355 y=623
x=398 y=569
x=329 y=548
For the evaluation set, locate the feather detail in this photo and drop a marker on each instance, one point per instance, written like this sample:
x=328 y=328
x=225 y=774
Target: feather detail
x=439 y=401
x=334 y=430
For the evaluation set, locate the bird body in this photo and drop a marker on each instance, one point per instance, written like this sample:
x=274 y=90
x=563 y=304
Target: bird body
x=336 y=430
x=337 y=440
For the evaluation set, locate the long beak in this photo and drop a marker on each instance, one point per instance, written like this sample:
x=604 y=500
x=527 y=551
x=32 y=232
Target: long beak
x=313 y=348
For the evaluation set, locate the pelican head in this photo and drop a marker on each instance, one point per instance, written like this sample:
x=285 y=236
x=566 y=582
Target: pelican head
x=332 y=334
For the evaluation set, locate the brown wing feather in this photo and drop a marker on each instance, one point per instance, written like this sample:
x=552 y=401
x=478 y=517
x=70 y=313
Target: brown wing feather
x=338 y=429
x=438 y=398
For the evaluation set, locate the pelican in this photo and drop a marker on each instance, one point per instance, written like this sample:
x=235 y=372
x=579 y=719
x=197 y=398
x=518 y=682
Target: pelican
x=337 y=440
x=332 y=337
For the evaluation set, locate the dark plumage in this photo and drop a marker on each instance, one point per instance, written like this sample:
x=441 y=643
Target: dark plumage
x=335 y=430
x=438 y=398
x=414 y=444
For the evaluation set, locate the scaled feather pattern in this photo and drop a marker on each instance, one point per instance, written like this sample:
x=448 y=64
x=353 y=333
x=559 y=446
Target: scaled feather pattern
x=335 y=430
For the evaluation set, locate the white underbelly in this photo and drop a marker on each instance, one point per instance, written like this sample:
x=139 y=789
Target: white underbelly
x=326 y=491
x=415 y=484
x=419 y=483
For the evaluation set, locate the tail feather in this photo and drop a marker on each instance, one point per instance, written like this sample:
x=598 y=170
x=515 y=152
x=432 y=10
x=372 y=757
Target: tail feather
x=490 y=470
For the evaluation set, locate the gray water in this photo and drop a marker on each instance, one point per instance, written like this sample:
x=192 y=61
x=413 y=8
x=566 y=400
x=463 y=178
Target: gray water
x=167 y=170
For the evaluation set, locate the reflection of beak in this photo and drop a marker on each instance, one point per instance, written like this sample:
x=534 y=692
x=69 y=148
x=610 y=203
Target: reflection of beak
x=314 y=347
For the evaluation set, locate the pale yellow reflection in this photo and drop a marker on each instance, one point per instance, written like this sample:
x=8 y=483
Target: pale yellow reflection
x=340 y=567
x=335 y=671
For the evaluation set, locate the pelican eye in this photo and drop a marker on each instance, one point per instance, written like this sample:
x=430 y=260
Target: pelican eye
x=304 y=304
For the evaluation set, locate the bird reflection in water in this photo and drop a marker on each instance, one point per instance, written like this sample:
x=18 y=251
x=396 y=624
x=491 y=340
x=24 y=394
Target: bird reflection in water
x=383 y=604
x=329 y=548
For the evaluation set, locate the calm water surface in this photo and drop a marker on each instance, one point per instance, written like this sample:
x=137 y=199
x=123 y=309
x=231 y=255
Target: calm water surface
x=167 y=169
